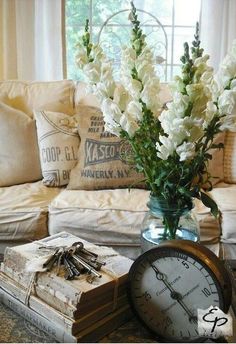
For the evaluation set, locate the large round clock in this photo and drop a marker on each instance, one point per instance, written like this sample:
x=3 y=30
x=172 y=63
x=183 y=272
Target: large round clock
x=169 y=283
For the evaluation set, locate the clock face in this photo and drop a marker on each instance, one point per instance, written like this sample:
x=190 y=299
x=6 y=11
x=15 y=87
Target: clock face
x=168 y=286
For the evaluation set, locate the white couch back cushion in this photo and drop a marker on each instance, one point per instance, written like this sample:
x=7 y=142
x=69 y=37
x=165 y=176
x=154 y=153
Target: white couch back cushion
x=50 y=96
x=230 y=158
x=19 y=156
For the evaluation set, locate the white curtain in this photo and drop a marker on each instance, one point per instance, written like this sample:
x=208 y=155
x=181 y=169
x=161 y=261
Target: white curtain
x=218 y=28
x=31 y=39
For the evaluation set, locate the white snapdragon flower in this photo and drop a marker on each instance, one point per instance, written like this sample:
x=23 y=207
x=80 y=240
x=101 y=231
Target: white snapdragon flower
x=112 y=116
x=195 y=91
x=186 y=128
x=196 y=130
x=134 y=86
x=107 y=79
x=128 y=57
x=177 y=85
x=199 y=61
x=178 y=132
x=216 y=87
x=146 y=55
x=150 y=95
x=129 y=123
x=166 y=149
x=173 y=123
x=179 y=104
x=109 y=86
x=112 y=128
x=180 y=129
x=106 y=70
x=229 y=65
x=145 y=71
x=121 y=97
x=210 y=113
x=201 y=64
x=111 y=111
x=139 y=42
x=186 y=151
x=228 y=123
x=134 y=108
x=199 y=95
x=92 y=71
x=145 y=65
x=100 y=91
x=226 y=102
x=233 y=85
x=166 y=118
x=97 y=53
x=227 y=70
x=81 y=57
x=199 y=105
x=207 y=77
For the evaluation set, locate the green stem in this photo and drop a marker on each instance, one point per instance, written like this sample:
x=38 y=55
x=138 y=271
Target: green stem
x=146 y=173
x=171 y=225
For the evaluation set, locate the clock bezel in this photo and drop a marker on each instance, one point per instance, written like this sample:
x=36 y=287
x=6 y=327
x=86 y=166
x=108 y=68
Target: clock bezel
x=203 y=256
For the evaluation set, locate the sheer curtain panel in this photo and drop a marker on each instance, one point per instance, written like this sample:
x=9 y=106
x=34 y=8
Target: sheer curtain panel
x=32 y=39
x=218 y=28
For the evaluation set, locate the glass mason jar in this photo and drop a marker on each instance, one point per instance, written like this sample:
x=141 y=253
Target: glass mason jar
x=164 y=223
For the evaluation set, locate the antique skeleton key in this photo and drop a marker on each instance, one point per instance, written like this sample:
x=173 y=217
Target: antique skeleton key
x=87 y=266
x=69 y=272
x=51 y=260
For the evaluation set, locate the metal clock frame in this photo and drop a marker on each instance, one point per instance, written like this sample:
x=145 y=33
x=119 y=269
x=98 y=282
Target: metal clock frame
x=205 y=257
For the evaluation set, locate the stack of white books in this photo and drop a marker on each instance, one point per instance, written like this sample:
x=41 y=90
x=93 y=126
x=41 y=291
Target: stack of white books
x=84 y=309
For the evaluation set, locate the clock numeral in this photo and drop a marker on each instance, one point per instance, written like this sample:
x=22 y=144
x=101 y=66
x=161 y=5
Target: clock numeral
x=185 y=264
x=206 y=292
x=146 y=296
x=167 y=322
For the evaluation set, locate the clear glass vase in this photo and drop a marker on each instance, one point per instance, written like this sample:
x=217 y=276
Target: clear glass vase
x=166 y=223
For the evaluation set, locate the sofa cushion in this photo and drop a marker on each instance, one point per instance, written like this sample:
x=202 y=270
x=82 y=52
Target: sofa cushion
x=225 y=197
x=19 y=157
x=230 y=158
x=101 y=164
x=114 y=218
x=58 y=141
x=52 y=96
x=111 y=217
x=23 y=211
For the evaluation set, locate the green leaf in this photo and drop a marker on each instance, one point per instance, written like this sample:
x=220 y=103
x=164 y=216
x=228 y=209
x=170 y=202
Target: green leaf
x=210 y=203
x=208 y=156
x=218 y=145
x=184 y=191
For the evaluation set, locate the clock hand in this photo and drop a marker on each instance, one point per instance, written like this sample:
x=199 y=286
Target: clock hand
x=173 y=294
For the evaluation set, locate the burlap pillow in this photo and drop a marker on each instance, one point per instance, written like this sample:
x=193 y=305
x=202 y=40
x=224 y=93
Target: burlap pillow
x=19 y=157
x=58 y=144
x=230 y=158
x=101 y=156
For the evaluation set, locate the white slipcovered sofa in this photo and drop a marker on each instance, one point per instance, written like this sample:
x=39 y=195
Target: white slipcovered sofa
x=29 y=210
